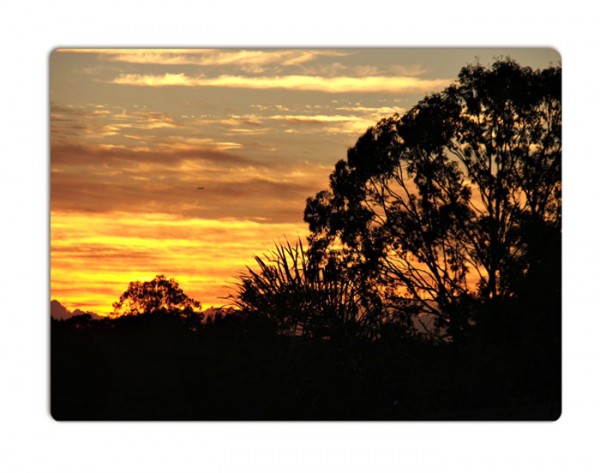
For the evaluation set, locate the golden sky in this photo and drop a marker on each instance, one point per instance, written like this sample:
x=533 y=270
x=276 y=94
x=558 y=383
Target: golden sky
x=135 y=132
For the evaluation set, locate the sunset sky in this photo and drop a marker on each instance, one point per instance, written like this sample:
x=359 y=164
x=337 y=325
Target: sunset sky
x=134 y=133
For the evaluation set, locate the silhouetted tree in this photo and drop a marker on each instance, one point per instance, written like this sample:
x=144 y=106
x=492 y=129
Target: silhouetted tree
x=448 y=206
x=160 y=295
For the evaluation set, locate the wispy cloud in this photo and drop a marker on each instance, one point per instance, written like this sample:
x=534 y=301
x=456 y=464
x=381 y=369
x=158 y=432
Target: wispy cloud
x=110 y=156
x=314 y=118
x=210 y=57
x=327 y=124
x=352 y=124
x=408 y=69
x=96 y=122
x=367 y=84
x=378 y=111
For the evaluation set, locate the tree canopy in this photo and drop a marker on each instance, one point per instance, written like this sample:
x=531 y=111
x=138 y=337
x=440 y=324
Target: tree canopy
x=449 y=205
x=161 y=295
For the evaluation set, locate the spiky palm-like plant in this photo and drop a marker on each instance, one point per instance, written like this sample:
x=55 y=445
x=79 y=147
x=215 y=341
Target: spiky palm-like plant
x=304 y=299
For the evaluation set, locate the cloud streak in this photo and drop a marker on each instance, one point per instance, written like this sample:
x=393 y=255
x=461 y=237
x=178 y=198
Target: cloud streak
x=334 y=85
x=353 y=125
x=167 y=153
x=209 y=57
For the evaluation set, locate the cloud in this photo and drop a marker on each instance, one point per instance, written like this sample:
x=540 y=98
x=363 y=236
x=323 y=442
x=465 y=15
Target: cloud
x=248 y=132
x=231 y=120
x=408 y=69
x=327 y=124
x=353 y=125
x=169 y=153
x=367 y=84
x=314 y=118
x=146 y=120
x=371 y=111
x=209 y=57
x=97 y=123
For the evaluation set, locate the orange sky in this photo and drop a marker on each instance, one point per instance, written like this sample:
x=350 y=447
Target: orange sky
x=135 y=132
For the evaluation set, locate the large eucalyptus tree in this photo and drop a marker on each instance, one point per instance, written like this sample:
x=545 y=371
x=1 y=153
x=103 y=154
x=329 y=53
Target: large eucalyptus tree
x=451 y=205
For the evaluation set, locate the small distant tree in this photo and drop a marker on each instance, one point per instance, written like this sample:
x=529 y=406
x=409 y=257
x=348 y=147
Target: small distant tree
x=161 y=295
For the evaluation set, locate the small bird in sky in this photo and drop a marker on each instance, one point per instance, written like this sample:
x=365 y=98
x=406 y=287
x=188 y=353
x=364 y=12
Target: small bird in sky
x=200 y=188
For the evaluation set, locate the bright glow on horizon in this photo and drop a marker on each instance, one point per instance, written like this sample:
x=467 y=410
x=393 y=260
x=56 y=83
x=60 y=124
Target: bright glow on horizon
x=103 y=253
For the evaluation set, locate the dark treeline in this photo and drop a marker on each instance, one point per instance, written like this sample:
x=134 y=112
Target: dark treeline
x=430 y=287
x=239 y=367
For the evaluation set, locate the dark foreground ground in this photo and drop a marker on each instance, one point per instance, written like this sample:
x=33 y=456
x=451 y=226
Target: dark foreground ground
x=164 y=370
